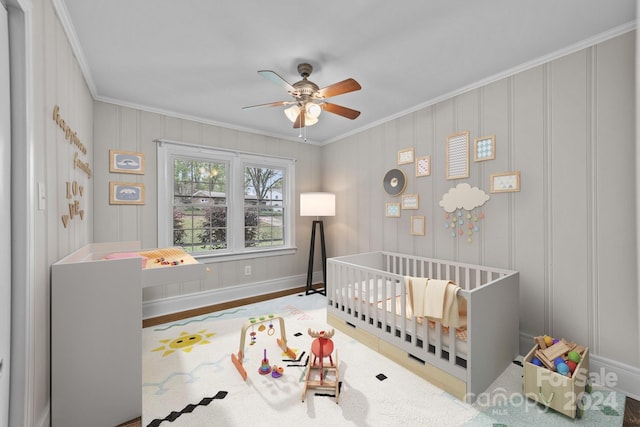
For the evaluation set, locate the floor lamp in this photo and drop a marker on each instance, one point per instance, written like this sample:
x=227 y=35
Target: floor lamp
x=317 y=204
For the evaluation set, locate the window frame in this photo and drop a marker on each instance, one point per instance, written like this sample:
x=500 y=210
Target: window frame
x=167 y=152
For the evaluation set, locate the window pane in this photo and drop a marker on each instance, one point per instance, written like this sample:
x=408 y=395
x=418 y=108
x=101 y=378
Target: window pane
x=263 y=206
x=199 y=204
x=212 y=232
x=271 y=230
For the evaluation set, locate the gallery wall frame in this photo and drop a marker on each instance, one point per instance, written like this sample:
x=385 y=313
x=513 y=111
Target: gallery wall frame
x=126 y=193
x=126 y=162
x=417 y=225
x=410 y=201
x=457 y=155
x=405 y=156
x=423 y=166
x=505 y=182
x=484 y=148
x=392 y=210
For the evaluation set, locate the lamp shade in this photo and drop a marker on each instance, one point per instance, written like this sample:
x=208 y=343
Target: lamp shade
x=317 y=204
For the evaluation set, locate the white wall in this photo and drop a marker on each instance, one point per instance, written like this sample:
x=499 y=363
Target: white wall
x=46 y=74
x=568 y=127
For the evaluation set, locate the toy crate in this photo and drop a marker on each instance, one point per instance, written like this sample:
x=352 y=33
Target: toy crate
x=554 y=390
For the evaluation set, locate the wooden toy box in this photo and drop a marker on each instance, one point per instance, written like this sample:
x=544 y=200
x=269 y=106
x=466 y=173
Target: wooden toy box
x=560 y=393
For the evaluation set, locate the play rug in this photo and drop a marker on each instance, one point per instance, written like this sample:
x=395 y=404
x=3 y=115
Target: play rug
x=504 y=405
x=190 y=380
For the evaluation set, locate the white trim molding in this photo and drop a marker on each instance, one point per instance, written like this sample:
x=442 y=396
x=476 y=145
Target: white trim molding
x=177 y=304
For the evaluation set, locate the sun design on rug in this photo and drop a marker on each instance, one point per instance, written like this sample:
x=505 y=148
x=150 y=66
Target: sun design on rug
x=184 y=342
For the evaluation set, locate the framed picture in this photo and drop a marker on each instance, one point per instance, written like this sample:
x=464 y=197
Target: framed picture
x=392 y=210
x=410 y=201
x=423 y=166
x=458 y=155
x=417 y=225
x=126 y=162
x=484 y=148
x=126 y=193
x=405 y=156
x=505 y=182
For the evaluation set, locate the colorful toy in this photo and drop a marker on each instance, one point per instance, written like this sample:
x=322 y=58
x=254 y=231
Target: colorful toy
x=548 y=340
x=322 y=347
x=276 y=371
x=282 y=342
x=265 y=368
x=572 y=365
x=536 y=361
x=574 y=356
x=563 y=369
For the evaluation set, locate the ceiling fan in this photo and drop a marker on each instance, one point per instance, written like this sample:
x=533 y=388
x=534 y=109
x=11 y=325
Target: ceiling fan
x=308 y=99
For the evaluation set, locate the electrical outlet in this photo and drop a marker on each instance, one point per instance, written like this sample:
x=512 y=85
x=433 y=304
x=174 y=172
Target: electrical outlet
x=247 y=270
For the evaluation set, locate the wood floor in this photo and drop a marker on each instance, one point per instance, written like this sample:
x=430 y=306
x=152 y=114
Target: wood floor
x=631 y=410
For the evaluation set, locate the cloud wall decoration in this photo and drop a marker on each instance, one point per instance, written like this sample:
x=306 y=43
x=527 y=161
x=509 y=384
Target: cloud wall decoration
x=463 y=196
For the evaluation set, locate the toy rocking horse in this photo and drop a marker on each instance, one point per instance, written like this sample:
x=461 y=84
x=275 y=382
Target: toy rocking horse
x=321 y=348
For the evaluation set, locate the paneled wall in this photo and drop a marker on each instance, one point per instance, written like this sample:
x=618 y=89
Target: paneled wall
x=50 y=165
x=568 y=127
x=123 y=128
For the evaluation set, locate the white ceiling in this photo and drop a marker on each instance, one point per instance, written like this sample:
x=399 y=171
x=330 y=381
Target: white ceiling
x=198 y=59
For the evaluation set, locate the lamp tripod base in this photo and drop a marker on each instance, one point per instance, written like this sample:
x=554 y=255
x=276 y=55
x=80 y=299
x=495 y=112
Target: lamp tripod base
x=310 y=289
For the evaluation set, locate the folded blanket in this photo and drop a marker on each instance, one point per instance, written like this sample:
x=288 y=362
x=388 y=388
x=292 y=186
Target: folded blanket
x=451 y=315
x=436 y=300
x=416 y=287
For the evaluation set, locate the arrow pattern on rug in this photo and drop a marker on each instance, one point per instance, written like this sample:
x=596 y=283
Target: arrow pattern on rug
x=174 y=415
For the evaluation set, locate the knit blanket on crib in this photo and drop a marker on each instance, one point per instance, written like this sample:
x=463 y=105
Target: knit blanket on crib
x=435 y=299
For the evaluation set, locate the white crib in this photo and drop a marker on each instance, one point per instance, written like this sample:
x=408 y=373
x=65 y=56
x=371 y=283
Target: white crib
x=368 y=300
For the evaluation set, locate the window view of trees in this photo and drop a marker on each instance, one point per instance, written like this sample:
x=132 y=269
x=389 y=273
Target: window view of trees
x=263 y=207
x=201 y=209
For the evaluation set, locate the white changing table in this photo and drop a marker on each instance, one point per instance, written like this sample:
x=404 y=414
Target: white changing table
x=96 y=331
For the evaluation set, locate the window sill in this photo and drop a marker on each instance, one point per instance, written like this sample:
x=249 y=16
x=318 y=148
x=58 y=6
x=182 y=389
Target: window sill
x=210 y=258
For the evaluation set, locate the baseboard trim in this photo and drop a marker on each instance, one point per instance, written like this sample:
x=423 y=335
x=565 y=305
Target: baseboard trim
x=185 y=303
x=615 y=375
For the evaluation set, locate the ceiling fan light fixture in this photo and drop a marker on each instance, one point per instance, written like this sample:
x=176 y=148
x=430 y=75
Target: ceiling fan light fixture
x=312 y=110
x=309 y=99
x=309 y=120
x=292 y=113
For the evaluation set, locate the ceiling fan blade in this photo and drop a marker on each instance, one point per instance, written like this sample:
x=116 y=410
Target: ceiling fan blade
x=340 y=110
x=270 y=104
x=345 y=86
x=299 y=123
x=274 y=77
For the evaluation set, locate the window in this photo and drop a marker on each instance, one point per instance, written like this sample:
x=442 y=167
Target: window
x=216 y=202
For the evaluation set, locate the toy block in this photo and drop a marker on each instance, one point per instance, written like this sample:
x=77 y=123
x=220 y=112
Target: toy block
x=557 y=350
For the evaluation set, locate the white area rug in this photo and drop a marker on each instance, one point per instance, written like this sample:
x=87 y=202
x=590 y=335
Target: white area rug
x=190 y=380
x=176 y=379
